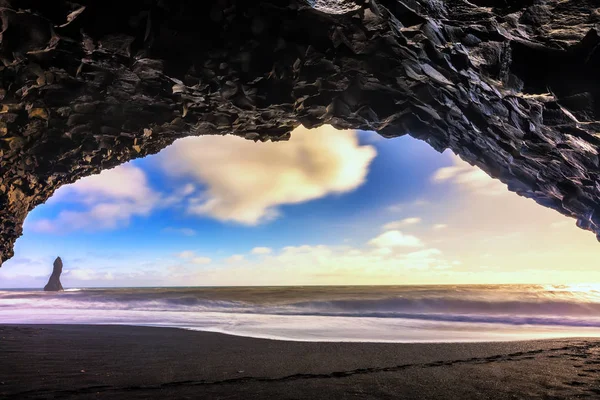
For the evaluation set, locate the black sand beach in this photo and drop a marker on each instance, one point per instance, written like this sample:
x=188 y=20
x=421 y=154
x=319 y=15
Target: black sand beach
x=124 y=362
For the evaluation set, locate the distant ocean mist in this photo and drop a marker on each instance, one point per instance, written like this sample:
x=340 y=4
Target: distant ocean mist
x=463 y=313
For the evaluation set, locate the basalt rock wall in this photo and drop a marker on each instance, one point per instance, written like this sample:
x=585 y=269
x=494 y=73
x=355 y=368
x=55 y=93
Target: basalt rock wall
x=511 y=86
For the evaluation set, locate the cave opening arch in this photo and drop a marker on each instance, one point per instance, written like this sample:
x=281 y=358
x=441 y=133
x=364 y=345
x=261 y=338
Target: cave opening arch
x=83 y=90
x=319 y=208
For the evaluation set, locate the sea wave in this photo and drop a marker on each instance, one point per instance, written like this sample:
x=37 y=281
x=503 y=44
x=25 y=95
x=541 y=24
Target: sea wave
x=512 y=305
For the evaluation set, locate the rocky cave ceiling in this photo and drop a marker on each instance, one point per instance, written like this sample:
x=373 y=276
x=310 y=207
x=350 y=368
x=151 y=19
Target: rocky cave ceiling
x=511 y=86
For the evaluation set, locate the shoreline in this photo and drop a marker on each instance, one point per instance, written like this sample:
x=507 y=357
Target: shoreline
x=346 y=314
x=121 y=361
x=280 y=339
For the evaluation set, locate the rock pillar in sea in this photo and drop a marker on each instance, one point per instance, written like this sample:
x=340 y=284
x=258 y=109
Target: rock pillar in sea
x=54 y=284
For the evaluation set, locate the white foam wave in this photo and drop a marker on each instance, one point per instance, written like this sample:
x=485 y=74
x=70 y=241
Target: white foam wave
x=343 y=314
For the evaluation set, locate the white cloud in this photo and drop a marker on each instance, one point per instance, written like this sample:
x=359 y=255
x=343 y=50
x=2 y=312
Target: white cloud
x=110 y=199
x=383 y=251
x=303 y=264
x=472 y=178
x=261 y=250
x=124 y=182
x=190 y=256
x=401 y=223
x=246 y=182
x=201 y=260
x=188 y=189
x=235 y=258
x=186 y=254
x=446 y=173
x=396 y=239
x=424 y=254
x=290 y=265
x=87 y=274
x=438 y=227
x=176 y=197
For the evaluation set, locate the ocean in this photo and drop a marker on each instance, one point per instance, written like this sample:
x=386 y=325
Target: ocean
x=458 y=313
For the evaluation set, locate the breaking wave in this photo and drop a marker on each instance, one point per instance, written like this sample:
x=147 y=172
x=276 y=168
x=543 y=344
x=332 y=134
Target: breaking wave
x=332 y=313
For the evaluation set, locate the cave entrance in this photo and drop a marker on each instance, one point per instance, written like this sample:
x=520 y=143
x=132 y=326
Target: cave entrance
x=331 y=227
x=343 y=207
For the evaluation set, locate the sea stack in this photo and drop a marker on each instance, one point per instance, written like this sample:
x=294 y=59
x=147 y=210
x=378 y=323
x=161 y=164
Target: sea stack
x=54 y=284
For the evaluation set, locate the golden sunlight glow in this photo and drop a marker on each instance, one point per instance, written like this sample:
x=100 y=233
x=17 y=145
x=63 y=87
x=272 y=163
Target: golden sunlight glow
x=480 y=233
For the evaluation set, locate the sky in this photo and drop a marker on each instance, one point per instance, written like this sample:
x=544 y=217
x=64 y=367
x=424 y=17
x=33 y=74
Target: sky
x=328 y=207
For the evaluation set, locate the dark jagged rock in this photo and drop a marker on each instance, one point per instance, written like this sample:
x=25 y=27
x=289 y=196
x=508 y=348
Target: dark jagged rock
x=511 y=86
x=54 y=284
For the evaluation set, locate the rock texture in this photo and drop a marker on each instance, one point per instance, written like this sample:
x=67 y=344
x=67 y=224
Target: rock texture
x=54 y=284
x=512 y=86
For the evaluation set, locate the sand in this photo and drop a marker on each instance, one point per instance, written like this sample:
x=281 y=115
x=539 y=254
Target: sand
x=124 y=362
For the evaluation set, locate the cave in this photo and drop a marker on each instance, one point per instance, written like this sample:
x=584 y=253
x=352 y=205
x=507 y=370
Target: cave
x=511 y=87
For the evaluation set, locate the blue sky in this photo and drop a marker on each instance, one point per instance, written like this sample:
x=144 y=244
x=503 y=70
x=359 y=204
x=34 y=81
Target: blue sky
x=327 y=207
